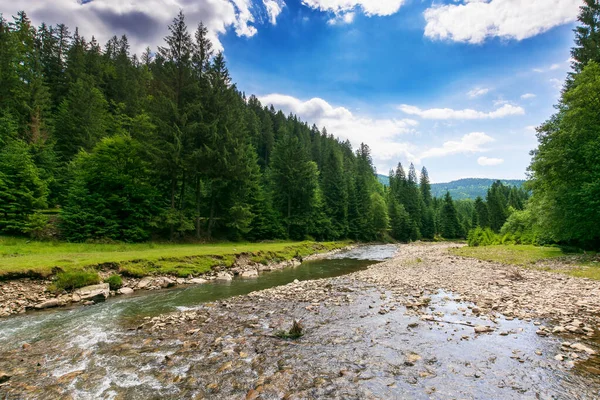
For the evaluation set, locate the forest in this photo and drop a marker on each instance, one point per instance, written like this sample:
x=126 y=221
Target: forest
x=98 y=144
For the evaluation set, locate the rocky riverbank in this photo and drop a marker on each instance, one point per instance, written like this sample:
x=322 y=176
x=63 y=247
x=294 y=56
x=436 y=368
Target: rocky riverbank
x=21 y=295
x=424 y=324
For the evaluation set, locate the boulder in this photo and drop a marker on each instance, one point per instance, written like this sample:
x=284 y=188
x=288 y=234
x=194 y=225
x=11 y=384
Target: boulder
x=197 y=281
x=94 y=293
x=125 y=290
x=250 y=274
x=48 y=304
x=224 y=276
x=144 y=282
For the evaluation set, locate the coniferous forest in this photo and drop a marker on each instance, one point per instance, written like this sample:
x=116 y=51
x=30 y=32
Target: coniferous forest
x=100 y=144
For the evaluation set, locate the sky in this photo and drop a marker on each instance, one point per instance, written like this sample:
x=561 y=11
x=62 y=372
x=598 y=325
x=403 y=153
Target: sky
x=457 y=86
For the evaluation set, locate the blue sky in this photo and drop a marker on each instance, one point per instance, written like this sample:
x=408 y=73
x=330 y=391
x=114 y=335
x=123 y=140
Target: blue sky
x=456 y=86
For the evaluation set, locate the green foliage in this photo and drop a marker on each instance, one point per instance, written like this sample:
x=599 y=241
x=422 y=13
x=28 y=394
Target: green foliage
x=482 y=237
x=449 y=225
x=111 y=196
x=71 y=280
x=565 y=169
x=114 y=281
x=21 y=189
x=36 y=225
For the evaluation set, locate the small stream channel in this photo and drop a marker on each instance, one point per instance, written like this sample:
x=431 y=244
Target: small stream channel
x=86 y=326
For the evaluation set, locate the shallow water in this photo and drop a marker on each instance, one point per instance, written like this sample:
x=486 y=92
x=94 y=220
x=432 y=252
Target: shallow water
x=368 y=346
x=85 y=326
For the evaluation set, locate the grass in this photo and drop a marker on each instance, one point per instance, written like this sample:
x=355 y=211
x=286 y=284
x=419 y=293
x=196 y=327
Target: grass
x=21 y=257
x=70 y=280
x=582 y=266
x=510 y=254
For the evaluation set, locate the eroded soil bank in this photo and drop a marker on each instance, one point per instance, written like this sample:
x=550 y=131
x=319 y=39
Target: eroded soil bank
x=425 y=324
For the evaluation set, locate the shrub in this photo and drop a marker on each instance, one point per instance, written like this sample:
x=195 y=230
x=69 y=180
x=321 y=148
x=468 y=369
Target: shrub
x=114 y=281
x=482 y=237
x=71 y=280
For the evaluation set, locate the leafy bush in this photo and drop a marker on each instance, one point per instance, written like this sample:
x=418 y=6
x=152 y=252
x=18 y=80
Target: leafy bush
x=482 y=237
x=71 y=280
x=114 y=281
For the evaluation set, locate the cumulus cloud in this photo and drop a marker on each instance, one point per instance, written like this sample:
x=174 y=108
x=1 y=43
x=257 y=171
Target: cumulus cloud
x=274 y=8
x=476 y=21
x=145 y=22
x=344 y=10
x=448 y=113
x=489 y=162
x=384 y=136
x=527 y=96
x=470 y=143
x=478 y=91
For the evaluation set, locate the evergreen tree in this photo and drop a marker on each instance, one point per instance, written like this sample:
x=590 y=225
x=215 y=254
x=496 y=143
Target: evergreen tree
x=587 y=36
x=295 y=179
x=111 y=195
x=449 y=224
x=334 y=193
x=21 y=189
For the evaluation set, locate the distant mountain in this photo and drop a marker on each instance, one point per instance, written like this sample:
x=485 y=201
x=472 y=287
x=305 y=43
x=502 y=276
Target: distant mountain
x=468 y=188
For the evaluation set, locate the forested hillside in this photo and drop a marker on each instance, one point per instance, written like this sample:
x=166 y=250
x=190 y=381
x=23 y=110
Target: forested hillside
x=100 y=144
x=462 y=189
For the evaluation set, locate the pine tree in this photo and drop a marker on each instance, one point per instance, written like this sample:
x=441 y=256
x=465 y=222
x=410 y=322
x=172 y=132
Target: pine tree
x=334 y=193
x=449 y=224
x=294 y=178
x=21 y=189
x=587 y=36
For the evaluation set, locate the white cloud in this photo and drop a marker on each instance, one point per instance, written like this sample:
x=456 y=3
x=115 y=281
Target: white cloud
x=475 y=21
x=527 y=96
x=144 y=22
x=382 y=135
x=274 y=8
x=344 y=10
x=556 y=83
x=448 y=113
x=552 y=67
x=478 y=91
x=470 y=143
x=489 y=162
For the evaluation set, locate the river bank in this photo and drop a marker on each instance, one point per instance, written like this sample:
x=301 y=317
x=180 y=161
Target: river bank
x=20 y=295
x=424 y=324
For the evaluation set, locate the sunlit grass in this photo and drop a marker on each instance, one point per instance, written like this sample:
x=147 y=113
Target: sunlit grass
x=21 y=256
x=533 y=256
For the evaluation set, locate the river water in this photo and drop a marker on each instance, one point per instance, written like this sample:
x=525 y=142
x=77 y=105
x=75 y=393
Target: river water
x=370 y=346
x=85 y=326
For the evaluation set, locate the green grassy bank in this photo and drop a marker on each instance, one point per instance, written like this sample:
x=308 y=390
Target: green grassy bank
x=579 y=265
x=20 y=257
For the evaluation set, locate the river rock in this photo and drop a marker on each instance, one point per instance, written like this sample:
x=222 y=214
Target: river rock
x=250 y=274
x=48 y=304
x=582 y=347
x=125 y=290
x=197 y=281
x=144 y=282
x=94 y=293
x=483 y=329
x=224 y=276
